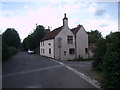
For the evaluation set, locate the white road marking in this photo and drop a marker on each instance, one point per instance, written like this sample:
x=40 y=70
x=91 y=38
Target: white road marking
x=31 y=71
x=81 y=75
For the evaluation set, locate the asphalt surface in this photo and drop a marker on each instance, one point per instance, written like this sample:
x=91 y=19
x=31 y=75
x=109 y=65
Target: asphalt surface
x=33 y=71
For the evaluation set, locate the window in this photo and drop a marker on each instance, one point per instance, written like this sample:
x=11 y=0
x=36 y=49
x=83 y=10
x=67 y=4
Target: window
x=43 y=51
x=49 y=50
x=71 y=51
x=70 y=39
x=43 y=43
x=86 y=50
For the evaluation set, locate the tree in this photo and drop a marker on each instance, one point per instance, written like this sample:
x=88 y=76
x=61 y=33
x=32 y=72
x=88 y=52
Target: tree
x=39 y=33
x=94 y=36
x=11 y=38
x=10 y=43
x=111 y=63
x=32 y=41
x=99 y=53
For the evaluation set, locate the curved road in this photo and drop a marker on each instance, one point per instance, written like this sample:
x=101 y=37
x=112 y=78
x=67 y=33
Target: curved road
x=33 y=71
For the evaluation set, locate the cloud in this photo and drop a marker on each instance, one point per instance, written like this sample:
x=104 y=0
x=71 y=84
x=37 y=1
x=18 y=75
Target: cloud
x=46 y=16
x=25 y=6
x=99 y=12
x=52 y=15
x=97 y=9
x=103 y=25
x=7 y=13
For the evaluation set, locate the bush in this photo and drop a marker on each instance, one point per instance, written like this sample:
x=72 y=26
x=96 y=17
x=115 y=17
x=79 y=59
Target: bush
x=12 y=50
x=99 y=54
x=111 y=64
x=111 y=70
x=5 y=52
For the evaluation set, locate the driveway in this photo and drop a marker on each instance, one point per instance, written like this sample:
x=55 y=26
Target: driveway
x=34 y=71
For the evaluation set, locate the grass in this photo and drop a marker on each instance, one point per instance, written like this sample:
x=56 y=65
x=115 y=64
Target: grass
x=98 y=75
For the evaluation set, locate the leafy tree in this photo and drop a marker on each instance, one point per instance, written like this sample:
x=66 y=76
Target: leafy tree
x=39 y=33
x=94 y=36
x=11 y=37
x=32 y=41
x=10 y=41
x=99 y=53
x=24 y=44
x=111 y=63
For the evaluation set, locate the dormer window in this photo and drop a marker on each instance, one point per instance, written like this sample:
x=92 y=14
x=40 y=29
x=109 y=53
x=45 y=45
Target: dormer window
x=70 y=39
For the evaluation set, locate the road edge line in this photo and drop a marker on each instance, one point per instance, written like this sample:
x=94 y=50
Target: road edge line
x=92 y=81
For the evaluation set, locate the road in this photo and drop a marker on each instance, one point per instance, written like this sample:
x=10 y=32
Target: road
x=33 y=71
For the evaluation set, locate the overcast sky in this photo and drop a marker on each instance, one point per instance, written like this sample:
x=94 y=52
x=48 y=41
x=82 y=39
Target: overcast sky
x=23 y=16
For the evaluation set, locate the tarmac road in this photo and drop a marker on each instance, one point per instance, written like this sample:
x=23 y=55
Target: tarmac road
x=33 y=71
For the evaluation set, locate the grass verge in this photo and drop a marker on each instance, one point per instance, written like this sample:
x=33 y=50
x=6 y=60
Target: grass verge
x=98 y=75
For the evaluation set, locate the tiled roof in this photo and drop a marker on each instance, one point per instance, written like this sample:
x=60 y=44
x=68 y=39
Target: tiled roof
x=92 y=47
x=52 y=34
x=76 y=29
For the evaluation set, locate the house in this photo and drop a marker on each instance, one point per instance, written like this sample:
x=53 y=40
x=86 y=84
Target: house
x=64 y=43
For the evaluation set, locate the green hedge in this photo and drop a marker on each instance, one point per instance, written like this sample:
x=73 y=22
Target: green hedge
x=7 y=51
x=111 y=70
x=111 y=64
x=12 y=50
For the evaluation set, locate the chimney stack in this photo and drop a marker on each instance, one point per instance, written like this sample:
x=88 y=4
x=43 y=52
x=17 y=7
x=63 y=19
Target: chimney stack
x=65 y=21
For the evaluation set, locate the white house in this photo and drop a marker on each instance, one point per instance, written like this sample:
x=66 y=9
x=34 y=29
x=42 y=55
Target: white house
x=64 y=43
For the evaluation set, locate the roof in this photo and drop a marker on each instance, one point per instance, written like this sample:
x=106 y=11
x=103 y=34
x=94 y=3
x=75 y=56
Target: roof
x=52 y=34
x=76 y=29
x=92 y=47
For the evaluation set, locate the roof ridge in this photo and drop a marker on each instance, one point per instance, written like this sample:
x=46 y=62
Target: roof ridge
x=53 y=33
x=76 y=29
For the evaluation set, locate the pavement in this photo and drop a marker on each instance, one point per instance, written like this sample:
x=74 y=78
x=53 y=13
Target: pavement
x=34 y=71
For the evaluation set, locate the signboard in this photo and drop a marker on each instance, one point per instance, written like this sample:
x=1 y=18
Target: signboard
x=59 y=41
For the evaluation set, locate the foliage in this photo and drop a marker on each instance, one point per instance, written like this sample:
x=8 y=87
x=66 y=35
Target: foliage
x=111 y=63
x=99 y=53
x=32 y=41
x=94 y=36
x=10 y=43
x=5 y=51
x=11 y=37
x=12 y=50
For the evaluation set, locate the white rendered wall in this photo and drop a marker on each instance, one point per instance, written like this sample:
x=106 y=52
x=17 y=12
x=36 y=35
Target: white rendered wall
x=59 y=52
x=81 y=43
x=46 y=48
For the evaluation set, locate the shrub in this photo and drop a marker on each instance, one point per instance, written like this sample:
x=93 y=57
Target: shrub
x=111 y=70
x=111 y=64
x=99 y=53
x=12 y=50
x=5 y=52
